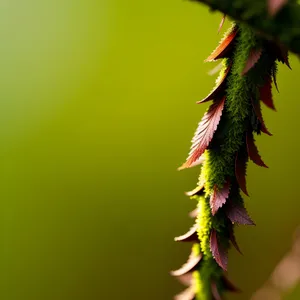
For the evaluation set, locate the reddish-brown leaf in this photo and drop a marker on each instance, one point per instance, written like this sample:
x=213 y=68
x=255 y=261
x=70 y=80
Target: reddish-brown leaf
x=233 y=240
x=198 y=162
x=238 y=214
x=266 y=93
x=220 y=255
x=275 y=79
x=190 y=236
x=222 y=23
x=189 y=266
x=257 y=110
x=218 y=90
x=229 y=286
x=188 y=294
x=253 y=151
x=274 y=6
x=224 y=47
x=215 y=292
x=253 y=58
x=240 y=170
x=219 y=197
x=205 y=132
x=281 y=53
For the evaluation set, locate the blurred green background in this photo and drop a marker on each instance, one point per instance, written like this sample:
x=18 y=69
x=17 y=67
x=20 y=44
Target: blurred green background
x=97 y=111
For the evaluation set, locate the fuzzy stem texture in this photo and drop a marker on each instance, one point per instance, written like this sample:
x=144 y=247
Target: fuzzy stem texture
x=223 y=144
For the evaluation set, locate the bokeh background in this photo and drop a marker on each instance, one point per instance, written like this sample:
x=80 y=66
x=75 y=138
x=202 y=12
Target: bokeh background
x=97 y=111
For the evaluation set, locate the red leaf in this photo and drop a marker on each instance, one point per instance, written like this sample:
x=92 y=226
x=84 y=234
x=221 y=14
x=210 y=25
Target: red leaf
x=205 y=132
x=240 y=171
x=233 y=240
x=215 y=292
x=218 y=90
x=224 y=47
x=253 y=58
x=189 y=266
x=198 y=162
x=274 y=6
x=257 y=110
x=188 y=294
x=229 y=286
x=219 y=197
x=222 y=23
x=219 y=254
x=190 y=236
x=238 y=214
x=281 y=53
x=253 y=152
x=266 y=94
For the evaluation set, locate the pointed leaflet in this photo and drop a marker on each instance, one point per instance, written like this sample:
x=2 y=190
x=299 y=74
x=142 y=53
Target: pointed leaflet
x=215 y=291
x=205 y=132
x=238 y=214
x=190 y=236
x=275 y=78
x=224 y=47
x=198 y=162
x=195 y=191
x=233 y=239
x=253 y=58
x=266 y=93
x=240 y=170
x=219 y=197
x=219 y=89
x=222 y=23
x=274 y=6
x=282 y=53
x=188 y=294
x=257 y=110
x=189 y=266
x=253 y=152
x=220 y=255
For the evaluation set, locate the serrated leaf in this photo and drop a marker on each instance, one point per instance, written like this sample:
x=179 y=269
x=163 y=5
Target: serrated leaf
x=257 y=110
x=190 y=236
x=188 y=294
x=198 y=162
x=215 y=292
x=205 y=132
x=224 y=47
x=274 y=6
x=266 y=93
x=282 y=53
x=222 y=23
x=253 y=151
x=220 y=255
x=253 y=58
x=218 y=90
x=238 y=214
x=219 y=197
x=233 y=240
x=189 y=266
x=240 y=170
